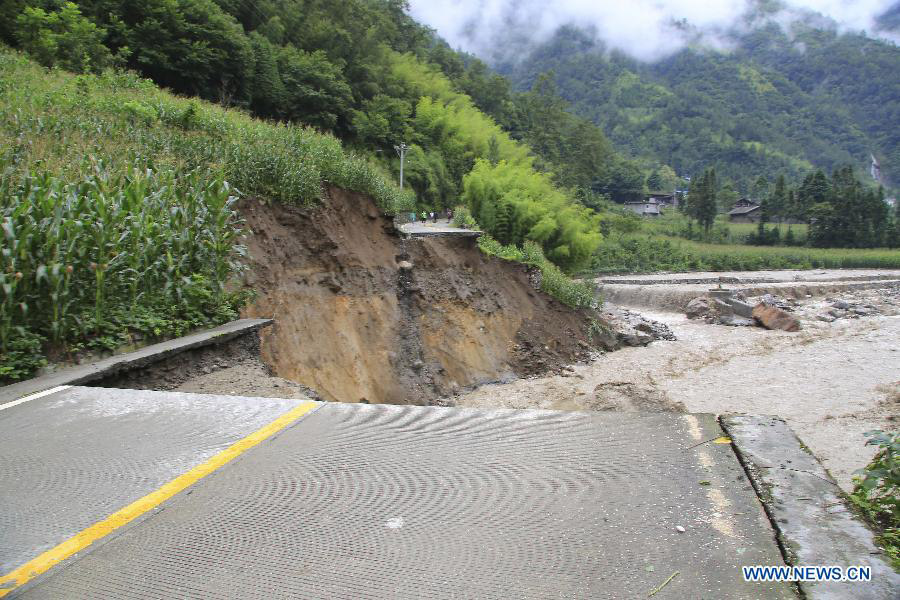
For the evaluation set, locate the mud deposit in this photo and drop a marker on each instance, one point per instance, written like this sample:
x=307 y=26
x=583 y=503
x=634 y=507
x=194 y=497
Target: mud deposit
x=363 y=315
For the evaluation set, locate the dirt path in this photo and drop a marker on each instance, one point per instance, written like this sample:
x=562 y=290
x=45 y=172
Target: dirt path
x=831 y=382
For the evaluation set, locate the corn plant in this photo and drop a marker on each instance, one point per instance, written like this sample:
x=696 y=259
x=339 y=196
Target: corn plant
x=72 y=251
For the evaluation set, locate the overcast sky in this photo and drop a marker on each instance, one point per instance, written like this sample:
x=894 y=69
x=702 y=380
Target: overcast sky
x=642 y=28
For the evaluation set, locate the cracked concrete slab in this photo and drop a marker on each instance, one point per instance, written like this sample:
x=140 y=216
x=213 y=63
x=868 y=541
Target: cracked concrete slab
x=70 y=458
x=809 y=511
x=92 y=372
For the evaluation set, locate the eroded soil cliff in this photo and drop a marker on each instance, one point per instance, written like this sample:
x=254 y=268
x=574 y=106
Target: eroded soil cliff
x=363 y=315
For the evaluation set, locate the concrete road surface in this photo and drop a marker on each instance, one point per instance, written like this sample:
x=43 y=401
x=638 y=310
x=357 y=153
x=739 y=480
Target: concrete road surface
x=133 y=494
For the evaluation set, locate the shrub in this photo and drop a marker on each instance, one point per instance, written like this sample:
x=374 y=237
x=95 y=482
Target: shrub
x=515 y=204
x=462 y=218
x=21 y=355
x=877 y=491
x=577 y=294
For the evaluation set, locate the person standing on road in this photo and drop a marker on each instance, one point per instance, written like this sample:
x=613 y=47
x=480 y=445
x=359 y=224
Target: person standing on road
x=424 y=217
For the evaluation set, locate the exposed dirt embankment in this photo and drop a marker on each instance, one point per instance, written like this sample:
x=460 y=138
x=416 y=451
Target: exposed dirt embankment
x=364 y=315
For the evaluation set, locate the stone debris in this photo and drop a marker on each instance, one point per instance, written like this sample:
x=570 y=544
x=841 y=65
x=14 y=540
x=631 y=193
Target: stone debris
x=735 y=321
x=632 y=329
x=737 y=310
x=731 y=312
x=841 y=304
x=699 y=308
x=772 y=317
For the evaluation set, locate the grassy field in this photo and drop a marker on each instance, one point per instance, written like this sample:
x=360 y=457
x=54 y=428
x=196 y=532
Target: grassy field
x=643 y=253
x=675 y=224
x=741 y=230
x=799 y=257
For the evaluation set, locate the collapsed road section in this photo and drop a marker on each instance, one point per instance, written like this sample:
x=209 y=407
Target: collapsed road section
x=126 y=493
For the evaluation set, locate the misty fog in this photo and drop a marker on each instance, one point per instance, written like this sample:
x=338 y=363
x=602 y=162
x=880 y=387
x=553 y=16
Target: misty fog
x=645 y=29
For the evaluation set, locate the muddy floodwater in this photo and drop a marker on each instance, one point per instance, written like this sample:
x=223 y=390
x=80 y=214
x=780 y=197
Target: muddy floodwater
x=831 y=382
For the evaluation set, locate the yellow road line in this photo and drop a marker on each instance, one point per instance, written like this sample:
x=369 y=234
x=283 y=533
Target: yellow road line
x=86 y=537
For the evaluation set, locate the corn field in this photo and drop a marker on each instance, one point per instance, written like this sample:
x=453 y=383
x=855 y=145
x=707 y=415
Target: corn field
x=71 y=254
x=116 y=224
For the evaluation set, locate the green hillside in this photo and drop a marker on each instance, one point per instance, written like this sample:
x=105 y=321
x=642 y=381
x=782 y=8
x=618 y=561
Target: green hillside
x=775 y=104
x=118 y=198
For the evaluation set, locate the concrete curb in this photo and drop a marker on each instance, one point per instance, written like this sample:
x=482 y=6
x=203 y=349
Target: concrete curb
x=675 y=298
x=728 y=280
x=114 y=365
x=429 y=234
x=808 y=510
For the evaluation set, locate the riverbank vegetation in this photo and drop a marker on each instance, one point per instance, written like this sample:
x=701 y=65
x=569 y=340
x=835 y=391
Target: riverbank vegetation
x=643 y=253
x=577 y=294
x=877 y=492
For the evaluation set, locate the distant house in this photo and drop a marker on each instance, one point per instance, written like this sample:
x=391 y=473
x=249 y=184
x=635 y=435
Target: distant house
x=646 y=208
x=745 y=211
x=665 y=199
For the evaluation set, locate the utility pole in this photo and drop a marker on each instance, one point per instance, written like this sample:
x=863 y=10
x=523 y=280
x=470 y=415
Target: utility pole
x=401 y=152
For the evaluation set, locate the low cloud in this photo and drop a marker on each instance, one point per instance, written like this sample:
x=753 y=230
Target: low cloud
x=645 y=29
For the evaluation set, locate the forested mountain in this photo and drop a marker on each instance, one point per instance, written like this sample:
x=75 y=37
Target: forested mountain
x=332 y=65
x=777 y=102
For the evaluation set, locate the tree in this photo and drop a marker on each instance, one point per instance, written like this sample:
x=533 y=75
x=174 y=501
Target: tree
x=815 y=189
x=776 y=205
x=668 y=178
x=727 y=197
x=623 y=181
x=893 y=236
x=315 y=89
x=851 y=216
x=705 y=207
x=268 y=93
x=493 y=154
x=701 y=204
x=382 y=121
x=760 y=190
x=63 y=38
